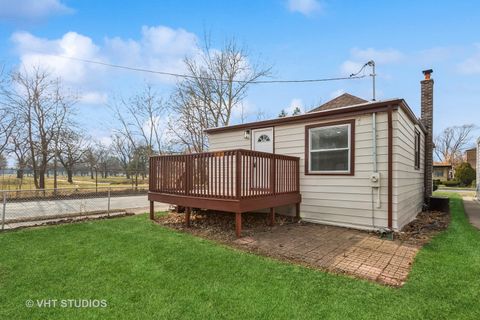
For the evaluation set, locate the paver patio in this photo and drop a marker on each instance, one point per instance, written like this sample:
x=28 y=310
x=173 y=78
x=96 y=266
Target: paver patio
x=336 y=249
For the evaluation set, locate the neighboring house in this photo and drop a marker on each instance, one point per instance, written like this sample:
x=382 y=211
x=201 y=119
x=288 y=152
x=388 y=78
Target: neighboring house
x=442 y=171
x=471 y=157
x=359 y=164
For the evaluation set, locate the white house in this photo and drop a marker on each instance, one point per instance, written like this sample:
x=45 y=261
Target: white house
x=349 y=162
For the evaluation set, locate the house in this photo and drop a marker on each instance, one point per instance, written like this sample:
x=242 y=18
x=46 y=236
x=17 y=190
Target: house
x=349 y=162
x=471 y=157
x=442 y=171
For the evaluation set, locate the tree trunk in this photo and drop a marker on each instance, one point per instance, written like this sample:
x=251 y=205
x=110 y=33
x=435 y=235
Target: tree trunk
x=69 y=175
x=20 y=173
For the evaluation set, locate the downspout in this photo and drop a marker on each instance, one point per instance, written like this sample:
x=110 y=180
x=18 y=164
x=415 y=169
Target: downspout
x=374 y=161
x=390 y=167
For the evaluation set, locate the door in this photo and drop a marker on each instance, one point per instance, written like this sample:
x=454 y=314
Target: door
x=262 y=140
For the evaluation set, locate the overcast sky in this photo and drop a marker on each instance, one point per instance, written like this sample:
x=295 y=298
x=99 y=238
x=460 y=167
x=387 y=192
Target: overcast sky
x=300 y=38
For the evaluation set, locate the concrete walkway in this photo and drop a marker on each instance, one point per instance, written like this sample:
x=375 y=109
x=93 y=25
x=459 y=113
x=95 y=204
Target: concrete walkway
x=472 y=209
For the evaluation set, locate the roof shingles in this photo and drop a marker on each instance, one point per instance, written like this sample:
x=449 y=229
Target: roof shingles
x=341 y=101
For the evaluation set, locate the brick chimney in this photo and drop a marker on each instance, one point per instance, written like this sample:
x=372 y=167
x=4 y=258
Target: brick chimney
x=427 y=120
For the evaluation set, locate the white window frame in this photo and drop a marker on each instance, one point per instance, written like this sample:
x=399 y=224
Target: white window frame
x=349 y=148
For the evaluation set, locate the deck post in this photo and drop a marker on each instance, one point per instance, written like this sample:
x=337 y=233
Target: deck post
x=188 y=210
x=271 y=217
x=297 y=210
x=152 y=210
x=238 y=224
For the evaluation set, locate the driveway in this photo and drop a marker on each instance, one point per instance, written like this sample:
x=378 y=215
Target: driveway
x=472 y=209
x=42 y=209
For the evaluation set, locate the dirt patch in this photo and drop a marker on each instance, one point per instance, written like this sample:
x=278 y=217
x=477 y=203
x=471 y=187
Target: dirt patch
x=220 y=226
x=425 y=226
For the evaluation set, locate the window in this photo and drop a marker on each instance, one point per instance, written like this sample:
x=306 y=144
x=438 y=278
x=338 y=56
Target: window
x=263 y=138
x=417 y=150
x=329 y=148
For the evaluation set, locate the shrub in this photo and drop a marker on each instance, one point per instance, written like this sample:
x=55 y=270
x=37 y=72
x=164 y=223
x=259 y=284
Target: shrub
x=451 y=183
x=465 y=174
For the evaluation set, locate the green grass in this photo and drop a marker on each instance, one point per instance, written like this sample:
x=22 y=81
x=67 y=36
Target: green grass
x=146 y=271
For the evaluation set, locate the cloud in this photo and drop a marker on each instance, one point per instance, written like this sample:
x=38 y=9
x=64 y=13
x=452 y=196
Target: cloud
x=93 y=97
x=294 y=104
x=157 y=48
x=358 y=57
x=471 y=65
x=31 y=9
x=305 y=7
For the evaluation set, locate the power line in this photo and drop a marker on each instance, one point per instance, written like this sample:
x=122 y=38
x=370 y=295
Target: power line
x=186 y=76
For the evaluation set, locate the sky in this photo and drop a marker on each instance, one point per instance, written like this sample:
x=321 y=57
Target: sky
x=300 y=39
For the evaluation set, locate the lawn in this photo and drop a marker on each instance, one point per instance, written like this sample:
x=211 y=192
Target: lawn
x=10 y=182
x=146 y=271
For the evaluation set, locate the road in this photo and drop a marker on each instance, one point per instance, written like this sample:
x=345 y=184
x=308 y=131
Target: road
x=32 y=209
x=462 y=192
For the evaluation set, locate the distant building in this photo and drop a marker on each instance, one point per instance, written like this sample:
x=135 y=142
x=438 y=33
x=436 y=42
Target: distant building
x=442 y=171
x=471 y=157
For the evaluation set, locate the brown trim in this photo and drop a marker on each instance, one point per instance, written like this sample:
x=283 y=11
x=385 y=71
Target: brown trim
x=326 y=115
x=390 y=169
x=351 y=172
x=228 y=205
x=417 y=149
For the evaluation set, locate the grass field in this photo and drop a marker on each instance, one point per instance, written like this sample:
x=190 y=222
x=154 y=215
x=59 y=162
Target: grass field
x=10 y=182
x=146 y=271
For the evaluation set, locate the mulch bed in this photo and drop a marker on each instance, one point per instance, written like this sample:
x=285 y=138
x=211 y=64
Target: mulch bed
x=426 y=225
x=220 y=226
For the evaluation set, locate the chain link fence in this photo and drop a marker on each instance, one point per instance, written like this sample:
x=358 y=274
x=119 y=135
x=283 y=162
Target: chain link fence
x=21 y=207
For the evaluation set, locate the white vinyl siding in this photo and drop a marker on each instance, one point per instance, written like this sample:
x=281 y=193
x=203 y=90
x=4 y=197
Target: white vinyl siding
x=347 y=200
x=407 y=181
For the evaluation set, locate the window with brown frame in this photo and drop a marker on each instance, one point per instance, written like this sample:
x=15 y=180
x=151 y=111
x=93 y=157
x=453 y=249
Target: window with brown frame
x=417 y=150
x=329 y=148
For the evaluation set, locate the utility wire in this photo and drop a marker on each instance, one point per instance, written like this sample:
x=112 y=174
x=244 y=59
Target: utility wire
x=186 y=76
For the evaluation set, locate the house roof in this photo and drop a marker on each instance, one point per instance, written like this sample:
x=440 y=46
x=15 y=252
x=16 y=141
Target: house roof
x=337 y=113
x=341 y=101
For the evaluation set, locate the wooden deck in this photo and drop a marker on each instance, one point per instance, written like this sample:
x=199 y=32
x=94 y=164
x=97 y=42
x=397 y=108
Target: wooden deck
x=232 y=180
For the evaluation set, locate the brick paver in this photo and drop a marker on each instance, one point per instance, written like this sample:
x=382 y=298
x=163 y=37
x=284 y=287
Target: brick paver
x=336 y=249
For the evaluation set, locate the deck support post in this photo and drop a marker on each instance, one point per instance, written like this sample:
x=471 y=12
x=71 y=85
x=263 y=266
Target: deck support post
x=238 y=224
x=271 y=217
x=297 y=210
x=152 y=210
x=188 y=210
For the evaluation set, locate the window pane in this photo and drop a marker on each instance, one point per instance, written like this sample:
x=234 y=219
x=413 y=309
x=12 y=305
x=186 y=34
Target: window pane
x=329 y=161
x=329 y=138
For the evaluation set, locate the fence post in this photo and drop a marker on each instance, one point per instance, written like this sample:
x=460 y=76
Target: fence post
x=4 y=209
x=108 y=207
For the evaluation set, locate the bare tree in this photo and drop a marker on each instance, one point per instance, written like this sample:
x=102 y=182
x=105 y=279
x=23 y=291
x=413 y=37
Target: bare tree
x=217 y=84
x=41 y=108
x=124 y=151
x=71 y=150
x=140 y=119
x=18 y=147
x=452 y=142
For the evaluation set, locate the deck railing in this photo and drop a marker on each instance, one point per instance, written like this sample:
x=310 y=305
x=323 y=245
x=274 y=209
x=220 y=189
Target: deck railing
x=230 y=174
